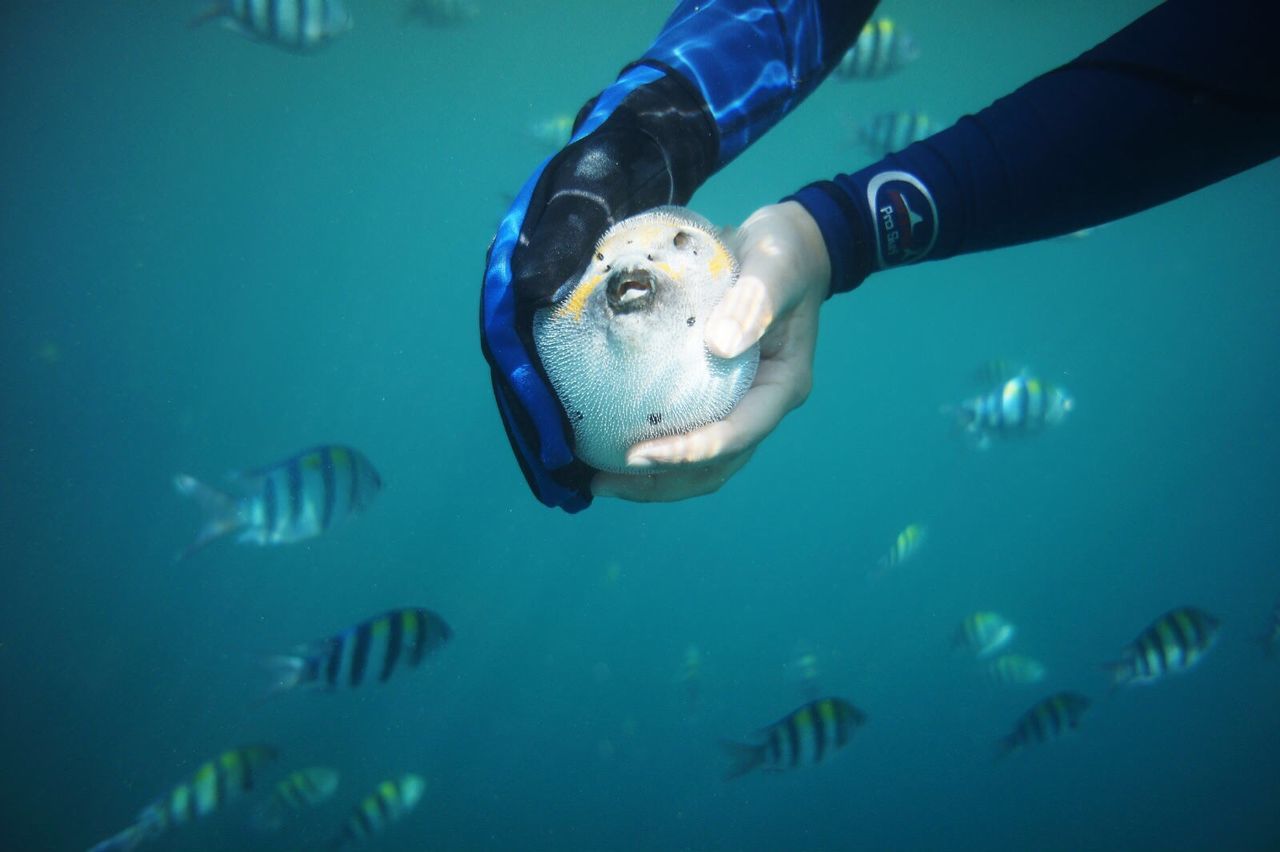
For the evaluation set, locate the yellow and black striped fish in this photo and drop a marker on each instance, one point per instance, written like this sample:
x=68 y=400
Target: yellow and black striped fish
x=881 y=49
x=388 y=803
x=370 y=650
x=1015 y=669
x=1022 y=405
x=299 y=790
x=1174 y=642
x=905 y=547
x=1047 y=720
x=293 y=500
x=295 y=25
x=983 y=633
x=213 y=784
x=888 y=132
x=804 y=737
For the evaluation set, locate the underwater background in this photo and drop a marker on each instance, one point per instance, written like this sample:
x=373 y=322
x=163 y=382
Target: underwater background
x=214 y=254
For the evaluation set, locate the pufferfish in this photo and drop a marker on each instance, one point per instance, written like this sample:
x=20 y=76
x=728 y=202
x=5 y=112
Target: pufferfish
x=623 y=342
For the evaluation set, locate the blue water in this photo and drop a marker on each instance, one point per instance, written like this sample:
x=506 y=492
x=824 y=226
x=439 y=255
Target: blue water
x=214 y=254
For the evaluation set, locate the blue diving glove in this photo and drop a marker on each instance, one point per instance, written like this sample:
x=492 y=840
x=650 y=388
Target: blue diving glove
x=647 y=141
x=720 y=74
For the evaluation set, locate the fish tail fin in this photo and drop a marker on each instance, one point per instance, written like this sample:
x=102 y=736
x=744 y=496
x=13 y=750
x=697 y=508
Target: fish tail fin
x=212 y=12
x=222 y=512
x=124 y=841
x=743 y=758
x=288 y=672
x=1118 y=673
x=1005 y=746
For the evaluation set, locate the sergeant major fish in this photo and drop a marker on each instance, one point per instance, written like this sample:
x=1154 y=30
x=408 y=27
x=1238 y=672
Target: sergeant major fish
x=804 y=737
x=297 y=25
x=881 y=49
x=303 y=788
x=1174 y=642
x=1023 y=405
x=1046 y=720
x=906 y=546
x=213 y=784
x=889 y=132
x=289 y=501
x=983 y=633
x=370 y=650
x=1015 y=669
x=623 y=343
x=389 y=802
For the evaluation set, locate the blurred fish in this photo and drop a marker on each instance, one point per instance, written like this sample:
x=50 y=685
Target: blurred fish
x=806 y=671
x=1016 y=669
x=293 y=500
x=297 y=25
x=388 y=803
x=881 y=49
x=1269 y=639
x=553 y=132
x=300 y=790
x=213 y=784
x=905 y=548
x=804 y=737
x=1174 y=642
x=440 y=13
x=372 y=648
x=1023 y=405
x=983 y=633
x=1047 y=720
x=892 y=131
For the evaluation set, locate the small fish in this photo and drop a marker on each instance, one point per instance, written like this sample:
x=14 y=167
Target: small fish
x=905 y=548
x=803 y=737
x=293 y=500
x=983 y=633
x=892 y=131
x=1023 y=405
x=369 y=650
x=1015 y=669
x=296 y=25
x=1045 y=721
x=213 y=784
x=389 y=802
x=304 y=788
x=440 y=13
x=553 y=133
x=805 y=670
x=1174 y=642
x=1269 y=639
x=881 y=49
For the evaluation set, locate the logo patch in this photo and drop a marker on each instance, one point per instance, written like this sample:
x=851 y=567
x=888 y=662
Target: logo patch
x=906 y=218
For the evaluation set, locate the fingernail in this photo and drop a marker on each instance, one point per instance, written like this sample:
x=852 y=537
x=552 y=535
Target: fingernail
x=639 y=461
x=722 y=337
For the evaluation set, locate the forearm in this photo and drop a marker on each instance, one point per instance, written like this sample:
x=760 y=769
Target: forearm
x=1183 y=97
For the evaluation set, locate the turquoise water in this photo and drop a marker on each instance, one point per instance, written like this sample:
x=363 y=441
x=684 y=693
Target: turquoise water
x=215 y=254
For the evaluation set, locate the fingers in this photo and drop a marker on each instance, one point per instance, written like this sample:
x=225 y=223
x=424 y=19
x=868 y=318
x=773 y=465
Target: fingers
x=741 y=318
x=668 y=486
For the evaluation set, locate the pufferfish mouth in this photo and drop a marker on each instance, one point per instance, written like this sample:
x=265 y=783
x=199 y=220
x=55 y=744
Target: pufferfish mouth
x=630 y=290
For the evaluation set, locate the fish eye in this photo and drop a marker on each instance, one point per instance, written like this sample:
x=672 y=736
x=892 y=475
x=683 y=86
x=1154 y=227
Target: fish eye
x=681 y=239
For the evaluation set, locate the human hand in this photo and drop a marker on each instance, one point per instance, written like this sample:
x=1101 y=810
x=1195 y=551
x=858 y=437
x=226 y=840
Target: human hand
x=785 y=275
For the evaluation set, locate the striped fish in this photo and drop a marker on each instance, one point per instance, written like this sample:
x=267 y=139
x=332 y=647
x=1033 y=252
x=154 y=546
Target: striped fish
x=983 y=633
x=804 y=737
x=892 y=131
x=1174 y=642
x=302 y=789
x=389 y=802
x=1023 y=405
x=1045 y=721
x=881 y=49
x=293 y=500
x=296 y=25
x=213 y=784
x=1015 y=669
x=370 y=650
x=905 y=547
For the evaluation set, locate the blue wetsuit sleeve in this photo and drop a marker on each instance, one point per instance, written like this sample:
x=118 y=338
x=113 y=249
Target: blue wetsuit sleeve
x=1185 y=96
x=753 y=61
